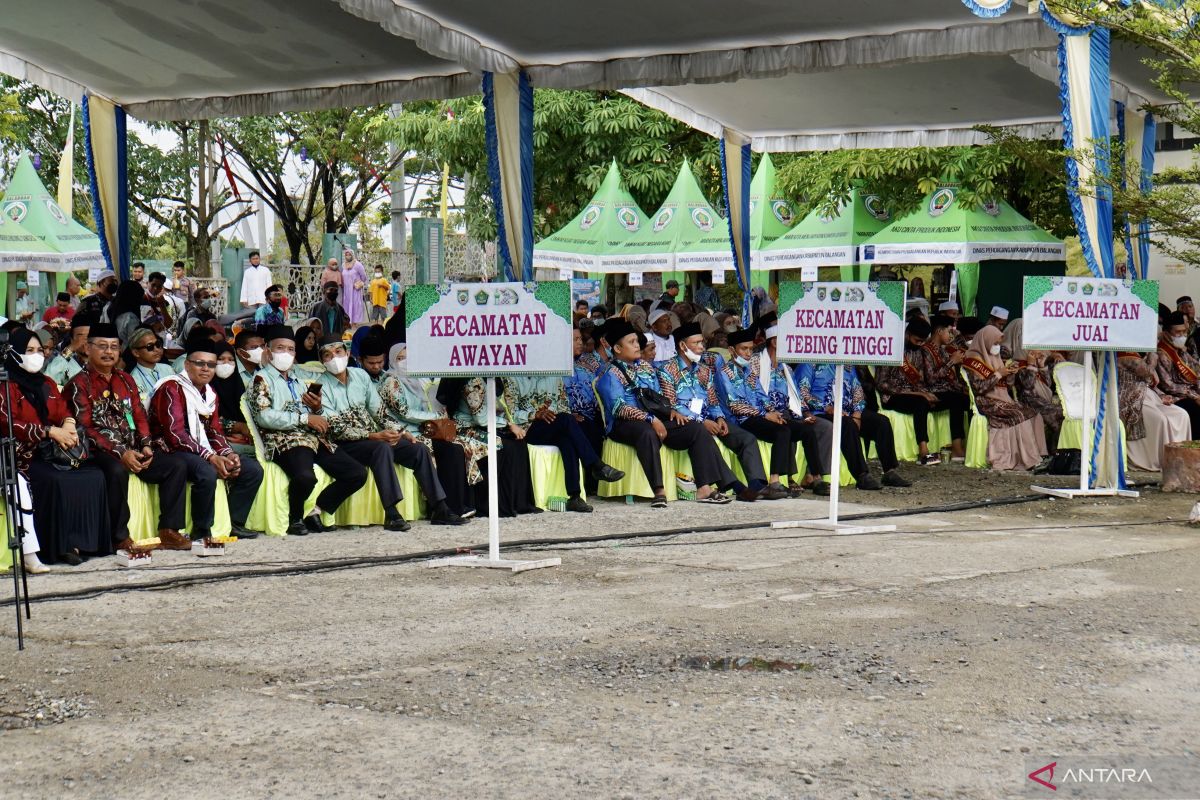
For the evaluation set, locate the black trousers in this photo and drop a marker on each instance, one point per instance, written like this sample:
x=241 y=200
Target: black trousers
x=706 y=459
x=166 y=471
x=451 y=464
x=243 y=489
x=918 y=407
x=414 y=456
x=873 y=427
x=348 y=477
x=594 y=431
x=783 y=440
x=1192 y=407
x=745 y=446
x=377 y=457
x=203 y=477
x=573 y=446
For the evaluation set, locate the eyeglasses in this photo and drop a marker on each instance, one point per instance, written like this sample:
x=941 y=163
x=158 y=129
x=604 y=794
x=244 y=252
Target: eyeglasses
x=150 y=346
x=104 y=346
x=202 y=364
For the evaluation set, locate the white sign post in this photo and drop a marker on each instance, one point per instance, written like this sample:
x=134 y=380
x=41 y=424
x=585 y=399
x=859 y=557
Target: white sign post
x=840 y=323
x=490 y=330
x=1089 y=314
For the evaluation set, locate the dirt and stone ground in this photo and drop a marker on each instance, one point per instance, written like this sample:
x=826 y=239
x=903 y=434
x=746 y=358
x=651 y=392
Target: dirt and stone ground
x=932 y=662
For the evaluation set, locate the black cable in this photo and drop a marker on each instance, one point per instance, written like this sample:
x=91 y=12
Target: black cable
x=330 y=565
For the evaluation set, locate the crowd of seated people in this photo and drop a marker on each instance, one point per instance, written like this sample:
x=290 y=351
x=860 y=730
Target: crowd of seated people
x=103 y=399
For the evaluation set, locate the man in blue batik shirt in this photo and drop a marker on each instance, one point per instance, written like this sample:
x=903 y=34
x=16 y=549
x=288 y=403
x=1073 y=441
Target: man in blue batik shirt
x=815 y=384
x=691 y=386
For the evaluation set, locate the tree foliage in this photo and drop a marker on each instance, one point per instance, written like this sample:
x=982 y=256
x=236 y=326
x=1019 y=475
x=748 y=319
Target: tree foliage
x=1027 y=174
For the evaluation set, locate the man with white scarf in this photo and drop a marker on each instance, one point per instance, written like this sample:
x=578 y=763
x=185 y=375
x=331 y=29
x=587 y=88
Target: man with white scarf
x=184 y=419
x=660 y=332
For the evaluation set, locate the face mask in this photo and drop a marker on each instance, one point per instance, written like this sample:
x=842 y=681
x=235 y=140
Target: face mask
x=282 y=361
x=1179 y=341
x=598 y=321
x=255 y=355
x=968 y=342
x=741 y=362
x=690 y=356
x=33 y=362
x=378 y=274
x=337 y=365
x=224 y=370
x=994 y=349
x=205 y=305
x=332 y=297
x=730 y=327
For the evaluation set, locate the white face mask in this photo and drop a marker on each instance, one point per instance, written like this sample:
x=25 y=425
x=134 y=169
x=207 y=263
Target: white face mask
x=994 y=350
x=255 y=355
x=33 y=362
x=337 y=365
x=690 y=356
x=378 y=274
x=282 y=361
x=224 y=370
x=742 y=362
x=1179 y=341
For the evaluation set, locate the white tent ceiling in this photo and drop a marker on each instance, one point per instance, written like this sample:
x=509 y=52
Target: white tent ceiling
x=793 y=74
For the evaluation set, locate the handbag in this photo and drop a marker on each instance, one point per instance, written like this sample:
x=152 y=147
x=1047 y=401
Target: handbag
x=442 y=429
x=64 y=458
x=650 y=400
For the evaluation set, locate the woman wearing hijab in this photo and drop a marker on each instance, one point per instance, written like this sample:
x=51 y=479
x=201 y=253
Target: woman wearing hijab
x=410 y=404
x=126 y=309
x=306 y=345
x=354 y=281
x=1016 y=434
x=1034 y=383
x=513 y=473
x=1151 y=418
x=227 y=383
x=143 y=361
x=332 y=273
x=68 y=506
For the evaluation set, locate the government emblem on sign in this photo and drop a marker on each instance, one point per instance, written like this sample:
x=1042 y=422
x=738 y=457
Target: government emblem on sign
x=991 y=208
x=589 y=217
x=703 y=219
x=16 y=210
x=783 y=211
x=481 y=298
x=464 y=297
x=628 y=219
x=874 y=207
x=942 y=199
x=56 y=212
x=663 y=219
x=821 y=293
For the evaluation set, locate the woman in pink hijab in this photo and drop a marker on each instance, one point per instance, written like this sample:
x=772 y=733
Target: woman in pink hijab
x=1016 y=434
x=354 y=281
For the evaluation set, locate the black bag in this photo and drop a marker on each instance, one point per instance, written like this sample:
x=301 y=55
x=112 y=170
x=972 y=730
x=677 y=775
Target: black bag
x=652 y=402
x=64 y=458
x=1064 y=462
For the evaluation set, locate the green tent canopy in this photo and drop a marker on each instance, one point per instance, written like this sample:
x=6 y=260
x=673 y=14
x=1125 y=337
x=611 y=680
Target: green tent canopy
x=27 y=204
x=944 y=231
x=684 y=234
x=21 y=251
x=821 y=240
x=771 y=214
x=609 y=219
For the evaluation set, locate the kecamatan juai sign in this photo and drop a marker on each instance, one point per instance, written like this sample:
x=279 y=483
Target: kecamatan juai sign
x=1090 y=314
x=475 y=329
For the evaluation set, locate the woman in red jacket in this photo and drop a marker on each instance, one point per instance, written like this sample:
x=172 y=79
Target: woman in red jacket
x=69 y=509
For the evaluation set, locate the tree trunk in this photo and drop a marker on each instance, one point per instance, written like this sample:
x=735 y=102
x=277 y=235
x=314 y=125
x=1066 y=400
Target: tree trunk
x=203 y=223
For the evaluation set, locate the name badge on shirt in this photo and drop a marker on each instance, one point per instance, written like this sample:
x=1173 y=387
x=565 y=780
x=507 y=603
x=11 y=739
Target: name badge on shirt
x=696 y=405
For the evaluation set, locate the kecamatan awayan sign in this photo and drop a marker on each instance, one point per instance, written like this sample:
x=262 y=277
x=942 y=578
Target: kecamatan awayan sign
x=476 y=329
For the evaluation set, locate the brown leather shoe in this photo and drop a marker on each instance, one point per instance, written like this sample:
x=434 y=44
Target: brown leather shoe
x=173 y=540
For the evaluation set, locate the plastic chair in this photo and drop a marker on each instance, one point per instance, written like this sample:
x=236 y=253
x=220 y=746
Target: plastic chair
x=623 y=457
x=977 y=434
x=1070 y=436
x=764 y=451
x=144 y=510
x=270 y=510
x=548 y=475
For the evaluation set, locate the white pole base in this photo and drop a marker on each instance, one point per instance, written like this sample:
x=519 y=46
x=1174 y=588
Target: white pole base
x=1068 y=494
x=494 y=563
x=833 y=527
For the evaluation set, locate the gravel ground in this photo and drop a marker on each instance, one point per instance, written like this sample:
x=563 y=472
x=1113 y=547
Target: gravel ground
x=928 y=662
